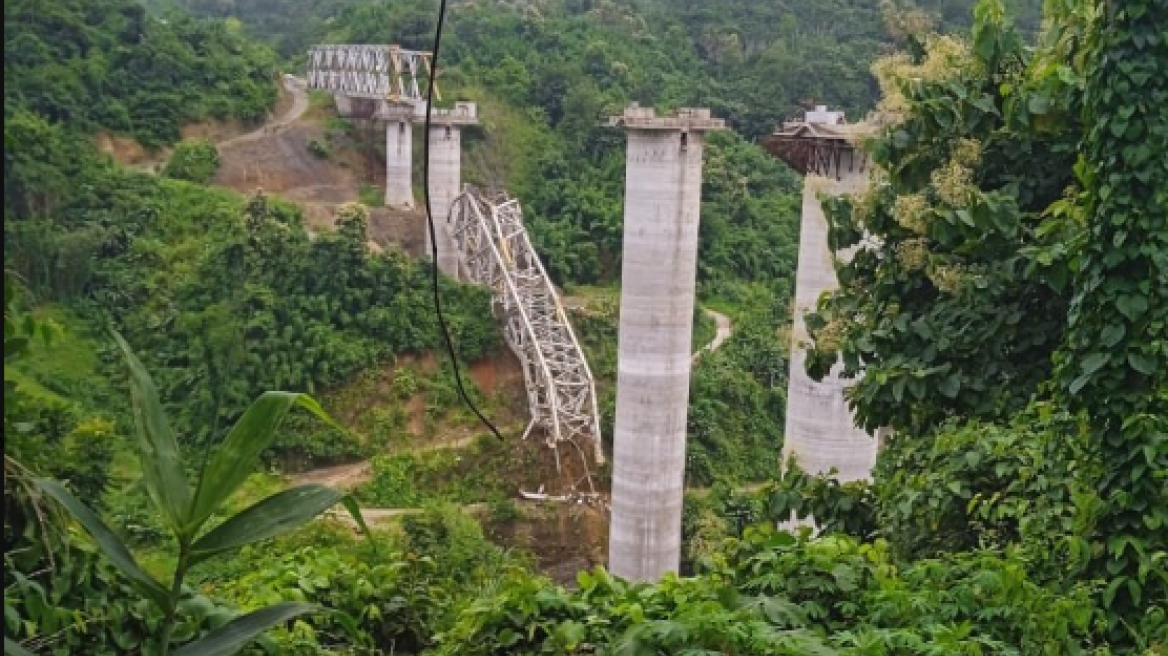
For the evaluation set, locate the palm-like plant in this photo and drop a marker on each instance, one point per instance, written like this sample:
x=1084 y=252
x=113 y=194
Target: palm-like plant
x=188 y=510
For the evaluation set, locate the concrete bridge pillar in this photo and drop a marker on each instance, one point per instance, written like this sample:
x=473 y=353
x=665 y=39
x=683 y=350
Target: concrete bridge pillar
x=445 y=185
x=663 y=182
x=819 y=431
x=399 y=148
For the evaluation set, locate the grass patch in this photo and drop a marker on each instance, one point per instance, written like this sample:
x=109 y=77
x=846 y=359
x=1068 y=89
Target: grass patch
x=487 y=471
x=370 y=195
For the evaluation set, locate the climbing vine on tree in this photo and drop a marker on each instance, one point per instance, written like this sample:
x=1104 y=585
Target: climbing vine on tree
x=1114 y=363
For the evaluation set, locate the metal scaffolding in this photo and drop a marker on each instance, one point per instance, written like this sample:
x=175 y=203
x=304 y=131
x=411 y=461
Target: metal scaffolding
x=494 y=251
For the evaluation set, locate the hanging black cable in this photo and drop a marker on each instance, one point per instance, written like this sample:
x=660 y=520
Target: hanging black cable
x=433 y=234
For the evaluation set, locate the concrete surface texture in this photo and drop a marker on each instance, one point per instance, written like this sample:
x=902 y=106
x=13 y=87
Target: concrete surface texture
x=399 y=151
x=445 y=185
x=663 y=180
x=344 y=104
x=819 y=428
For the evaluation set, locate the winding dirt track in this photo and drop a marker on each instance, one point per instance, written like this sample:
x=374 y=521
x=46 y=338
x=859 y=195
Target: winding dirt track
x=352 y=475
x=299 y=90
x=722 y=333
x=276 y=157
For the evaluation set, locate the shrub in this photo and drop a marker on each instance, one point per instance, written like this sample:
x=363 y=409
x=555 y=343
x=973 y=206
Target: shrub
x=317 y=149
x=194 y=161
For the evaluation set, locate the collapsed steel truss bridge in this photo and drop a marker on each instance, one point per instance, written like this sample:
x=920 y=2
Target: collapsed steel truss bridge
x=816 y=148
x=494 y=251
x=375 y=72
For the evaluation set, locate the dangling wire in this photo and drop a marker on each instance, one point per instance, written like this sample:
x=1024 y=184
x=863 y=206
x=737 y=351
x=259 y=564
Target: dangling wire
x=433 y=234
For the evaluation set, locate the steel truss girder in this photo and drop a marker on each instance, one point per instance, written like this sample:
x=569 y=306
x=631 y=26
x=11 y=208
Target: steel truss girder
x=494 y=251
x=379 y=72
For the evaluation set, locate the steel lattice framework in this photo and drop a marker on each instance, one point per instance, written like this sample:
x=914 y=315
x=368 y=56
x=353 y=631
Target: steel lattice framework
x=369 y=71
x=495 y=251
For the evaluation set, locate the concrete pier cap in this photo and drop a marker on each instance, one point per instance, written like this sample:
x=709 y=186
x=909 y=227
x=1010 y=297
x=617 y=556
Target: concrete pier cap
x=463 y=113
x=663 y=189
x=696 y=119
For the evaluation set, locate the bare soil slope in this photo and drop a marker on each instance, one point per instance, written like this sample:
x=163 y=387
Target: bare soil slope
x=276 y=159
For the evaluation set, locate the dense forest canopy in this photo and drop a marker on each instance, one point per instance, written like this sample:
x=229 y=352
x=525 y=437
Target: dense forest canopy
x=111 y=65
x=751 y=62
x=1003 y=306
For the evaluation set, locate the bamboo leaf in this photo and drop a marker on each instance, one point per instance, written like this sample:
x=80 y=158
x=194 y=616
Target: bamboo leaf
x=267 y=518
x=355 y=512
x=110 y=545
x=239 y=454
x=13 y=648
x=228 y=639
x=158 y=450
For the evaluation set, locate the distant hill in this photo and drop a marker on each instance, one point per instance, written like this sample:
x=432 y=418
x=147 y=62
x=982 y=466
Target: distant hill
x=111 y=65
x=753 y=62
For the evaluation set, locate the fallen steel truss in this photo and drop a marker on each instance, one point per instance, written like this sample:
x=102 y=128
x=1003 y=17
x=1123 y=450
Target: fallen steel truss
x=369 y=71
x=494 y=251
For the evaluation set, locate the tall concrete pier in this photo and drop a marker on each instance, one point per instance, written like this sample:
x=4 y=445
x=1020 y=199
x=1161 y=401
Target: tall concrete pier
x=399 y=154
x=663 y=183
x=446 y=177
x=819 y=432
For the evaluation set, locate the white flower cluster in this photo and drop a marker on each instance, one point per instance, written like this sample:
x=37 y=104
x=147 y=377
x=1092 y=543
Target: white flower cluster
x=953 y=184
x=946 y=58
x=912 y=213
x=830 y=338
x=913 y=254
x=949 y=278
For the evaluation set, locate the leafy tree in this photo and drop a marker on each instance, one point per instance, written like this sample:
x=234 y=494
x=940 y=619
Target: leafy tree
x=956 y=294
x=110 y=66
x=194 y=161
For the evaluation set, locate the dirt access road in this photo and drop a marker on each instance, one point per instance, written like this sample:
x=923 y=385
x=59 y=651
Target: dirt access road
x=296 y=88
x=354 y=474
x=276 y=158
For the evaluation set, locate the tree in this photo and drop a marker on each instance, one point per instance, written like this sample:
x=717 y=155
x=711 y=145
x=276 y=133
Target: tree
x=193 y=161
x=955 y=296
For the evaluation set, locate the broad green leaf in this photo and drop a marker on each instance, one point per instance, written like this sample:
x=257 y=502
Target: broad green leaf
x=1132 y=306
x=1039 y=104
x=267 y=518
x=239 y=454
x=12 y=648
x=158 y=450
x=228 y=639
x=1094 y=362
x=1112 y=334
x=1112 y=588
x=780 y=612
x=1141 y=363
x=950 y=385
x=570 y=634
x=110 y=545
